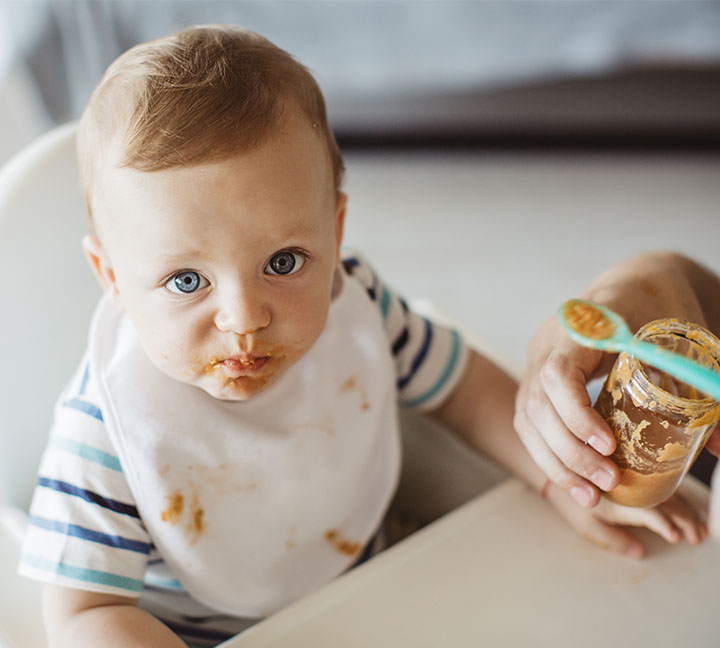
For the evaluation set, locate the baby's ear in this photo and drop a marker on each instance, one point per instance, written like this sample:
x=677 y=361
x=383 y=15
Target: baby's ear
x=100 y=265
x=340 y=209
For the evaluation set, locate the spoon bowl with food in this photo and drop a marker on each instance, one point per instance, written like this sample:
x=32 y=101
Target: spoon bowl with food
x=595 y=326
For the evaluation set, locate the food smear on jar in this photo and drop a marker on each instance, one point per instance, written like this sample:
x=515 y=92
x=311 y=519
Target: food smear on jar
x=587 y=320
x=650 y=451
x=653 y=441
x=672 y=451
x=639 y=428
x=708 y=418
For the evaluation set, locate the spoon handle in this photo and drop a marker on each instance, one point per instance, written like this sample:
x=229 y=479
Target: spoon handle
x=702 y=378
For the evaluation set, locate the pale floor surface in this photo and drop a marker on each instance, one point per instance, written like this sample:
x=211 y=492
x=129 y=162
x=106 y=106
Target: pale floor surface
x=498 y=241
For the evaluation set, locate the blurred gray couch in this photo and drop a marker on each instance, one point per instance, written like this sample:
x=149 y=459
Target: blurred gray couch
x=409 y=68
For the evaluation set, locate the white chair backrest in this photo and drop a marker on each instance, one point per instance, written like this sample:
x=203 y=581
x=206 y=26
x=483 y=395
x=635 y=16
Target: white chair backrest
x=47 y=299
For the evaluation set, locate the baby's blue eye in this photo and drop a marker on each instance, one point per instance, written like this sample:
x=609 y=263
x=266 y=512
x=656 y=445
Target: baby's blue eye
x=186 y=282
x=285 y=263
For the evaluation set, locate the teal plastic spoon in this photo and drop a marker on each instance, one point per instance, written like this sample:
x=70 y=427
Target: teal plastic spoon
x=607 y=331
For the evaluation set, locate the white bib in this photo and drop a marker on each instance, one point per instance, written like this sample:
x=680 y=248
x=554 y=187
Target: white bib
x=254 y=504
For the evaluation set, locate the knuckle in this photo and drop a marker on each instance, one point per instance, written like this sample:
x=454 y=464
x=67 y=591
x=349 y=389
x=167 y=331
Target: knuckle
x=551 y=372
x=576 y=459
x=534 y=404
x=520 y=423
x=533 y=346
x=559 y=475
x=521 y=397
x=565 y=480
x=532 y=407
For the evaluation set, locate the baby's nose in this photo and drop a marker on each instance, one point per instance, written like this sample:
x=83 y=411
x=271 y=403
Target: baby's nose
x=242 y=314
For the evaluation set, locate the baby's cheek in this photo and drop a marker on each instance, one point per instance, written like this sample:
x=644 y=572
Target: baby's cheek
x=311 y=319
x=171 y=356
x=172 y=366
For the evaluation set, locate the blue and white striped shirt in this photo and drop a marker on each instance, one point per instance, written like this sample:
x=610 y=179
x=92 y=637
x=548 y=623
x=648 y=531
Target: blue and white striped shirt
x=84 y=529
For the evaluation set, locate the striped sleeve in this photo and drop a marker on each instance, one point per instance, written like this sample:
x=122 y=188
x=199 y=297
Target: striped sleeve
x=429 y=359
x=84 y=529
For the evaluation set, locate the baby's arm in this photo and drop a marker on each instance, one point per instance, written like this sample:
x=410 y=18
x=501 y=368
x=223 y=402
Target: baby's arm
x=79 y=618
x=480 y=410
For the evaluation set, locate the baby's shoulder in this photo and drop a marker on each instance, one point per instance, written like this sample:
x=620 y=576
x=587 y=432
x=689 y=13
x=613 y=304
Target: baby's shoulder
x=78 y=410
x=354 y=263
x=356 y=267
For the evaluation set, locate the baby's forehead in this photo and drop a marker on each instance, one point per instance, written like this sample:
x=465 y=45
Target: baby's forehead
x=111 y=147
x=263 y=191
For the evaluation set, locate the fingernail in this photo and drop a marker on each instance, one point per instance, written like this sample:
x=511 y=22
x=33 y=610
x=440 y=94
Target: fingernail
x=634 y=551
x=582 y=495
x=602 y=478
x=602 y=446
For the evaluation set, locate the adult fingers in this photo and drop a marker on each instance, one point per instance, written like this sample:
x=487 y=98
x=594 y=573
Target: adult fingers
x=556 y=375
x=577 y=457
x=580 y=489
x=564 y=377
x=556 y=402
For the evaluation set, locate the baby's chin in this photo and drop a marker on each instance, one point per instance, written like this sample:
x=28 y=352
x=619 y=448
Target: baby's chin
x=232 y=383
x=238 y=389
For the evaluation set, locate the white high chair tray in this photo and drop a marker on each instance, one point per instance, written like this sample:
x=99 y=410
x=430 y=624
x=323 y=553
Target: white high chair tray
x=505 y=570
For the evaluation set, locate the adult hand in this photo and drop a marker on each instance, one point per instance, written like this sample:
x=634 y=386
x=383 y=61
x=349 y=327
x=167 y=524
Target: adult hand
x=554 y=417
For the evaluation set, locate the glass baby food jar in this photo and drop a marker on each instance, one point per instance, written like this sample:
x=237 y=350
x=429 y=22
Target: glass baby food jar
x=660 y=423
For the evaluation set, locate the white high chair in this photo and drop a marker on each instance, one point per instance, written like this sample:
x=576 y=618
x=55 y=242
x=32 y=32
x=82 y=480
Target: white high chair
x=48 y=299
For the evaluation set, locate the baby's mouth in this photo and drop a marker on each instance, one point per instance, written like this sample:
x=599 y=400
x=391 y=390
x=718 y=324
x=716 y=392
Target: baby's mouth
x=243 y=365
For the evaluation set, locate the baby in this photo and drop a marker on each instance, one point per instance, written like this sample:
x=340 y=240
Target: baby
x=230 y=440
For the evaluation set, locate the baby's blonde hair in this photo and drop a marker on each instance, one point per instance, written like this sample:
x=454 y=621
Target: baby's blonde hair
x=200 y=95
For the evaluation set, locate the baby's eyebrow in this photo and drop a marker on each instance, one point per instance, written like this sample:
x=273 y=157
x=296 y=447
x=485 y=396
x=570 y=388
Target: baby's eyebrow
x=165 y=264
x=173 y=258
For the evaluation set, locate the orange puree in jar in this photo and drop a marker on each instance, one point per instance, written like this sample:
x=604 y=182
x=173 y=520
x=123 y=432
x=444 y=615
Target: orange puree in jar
x=660 y=423
x=588 y=321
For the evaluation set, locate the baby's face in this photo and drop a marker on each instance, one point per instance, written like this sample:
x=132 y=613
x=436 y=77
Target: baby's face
x=225 y=269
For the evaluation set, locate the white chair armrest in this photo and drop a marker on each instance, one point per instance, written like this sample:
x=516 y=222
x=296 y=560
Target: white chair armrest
x=20 y=606
x=13 y=522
